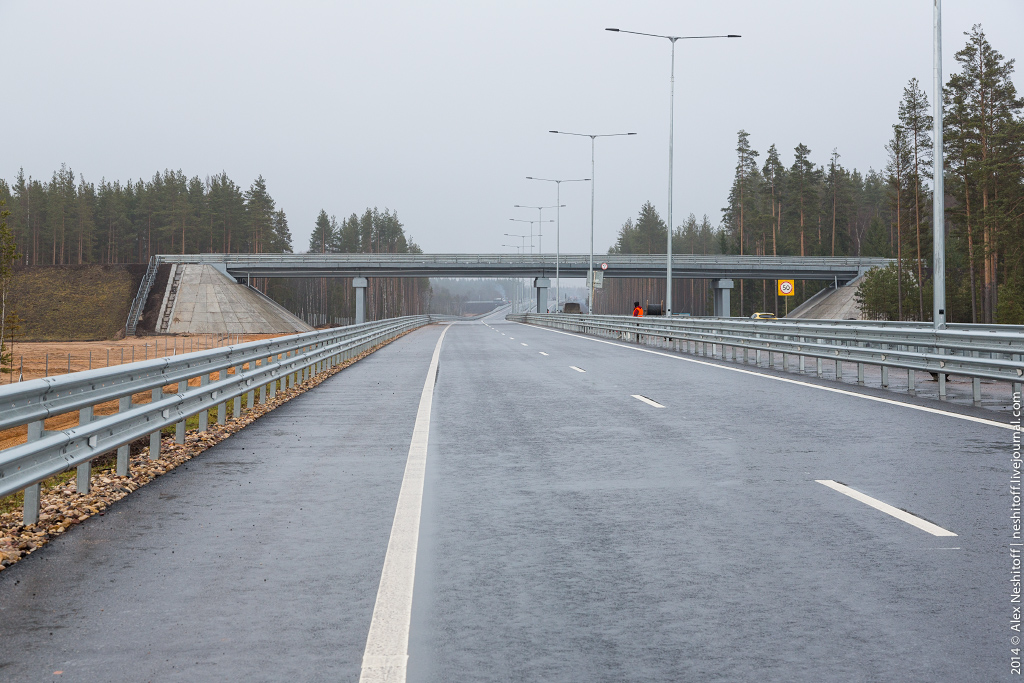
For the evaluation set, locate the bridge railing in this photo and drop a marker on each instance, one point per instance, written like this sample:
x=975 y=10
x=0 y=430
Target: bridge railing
x=513 y=259
x=248 y=369
x=974 y=351
x=139 y=302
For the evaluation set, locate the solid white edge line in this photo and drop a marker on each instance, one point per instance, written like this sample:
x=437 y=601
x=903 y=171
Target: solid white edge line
x=914 y=520
x=877 y=399
x=577 y=369
x=647 y=400
x=387 y=643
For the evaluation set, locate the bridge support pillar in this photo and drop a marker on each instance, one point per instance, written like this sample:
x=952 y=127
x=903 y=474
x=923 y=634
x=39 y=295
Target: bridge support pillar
x=542 y=284
x=360 y=284
x=723 y=304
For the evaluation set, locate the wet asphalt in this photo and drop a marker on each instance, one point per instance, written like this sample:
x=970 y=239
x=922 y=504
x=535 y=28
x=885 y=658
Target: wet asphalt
x=570 y=532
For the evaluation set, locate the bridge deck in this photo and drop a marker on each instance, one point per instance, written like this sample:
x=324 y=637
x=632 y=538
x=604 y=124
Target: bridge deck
x=530 y=265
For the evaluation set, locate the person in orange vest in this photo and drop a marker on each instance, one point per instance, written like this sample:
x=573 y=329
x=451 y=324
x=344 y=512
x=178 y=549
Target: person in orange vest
x=638 y=312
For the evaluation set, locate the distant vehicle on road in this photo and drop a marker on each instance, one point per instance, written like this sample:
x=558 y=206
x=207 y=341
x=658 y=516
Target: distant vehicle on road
x=764 y=316
x=571 y=307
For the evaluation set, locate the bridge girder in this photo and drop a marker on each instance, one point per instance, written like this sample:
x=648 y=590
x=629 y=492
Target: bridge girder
x=243 y=266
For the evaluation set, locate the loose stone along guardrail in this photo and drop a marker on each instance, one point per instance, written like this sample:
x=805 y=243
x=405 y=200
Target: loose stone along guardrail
x=248 y=369
x=977 y=352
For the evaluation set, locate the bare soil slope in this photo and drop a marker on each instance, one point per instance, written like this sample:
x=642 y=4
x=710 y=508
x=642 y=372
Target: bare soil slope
x=74 y=303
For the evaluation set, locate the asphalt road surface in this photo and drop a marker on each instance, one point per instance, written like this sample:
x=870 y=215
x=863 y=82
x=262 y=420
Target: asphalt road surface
x=590 y=512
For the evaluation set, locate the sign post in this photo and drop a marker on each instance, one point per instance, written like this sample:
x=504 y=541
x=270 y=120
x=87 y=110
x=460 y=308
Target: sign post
x=787 y=288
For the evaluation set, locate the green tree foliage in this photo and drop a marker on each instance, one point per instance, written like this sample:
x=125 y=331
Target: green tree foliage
x=69 y=220
x=824 y=210
x=984 y=144
x=877 y=294
x=647 y=236
x=915 y=120
x=8 y=256
x=331 y=301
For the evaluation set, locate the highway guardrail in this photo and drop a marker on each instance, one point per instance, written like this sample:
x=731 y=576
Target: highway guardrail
x=975 y=351
x=247 y=369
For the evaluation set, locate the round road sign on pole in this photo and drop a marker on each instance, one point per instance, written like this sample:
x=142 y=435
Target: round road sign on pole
x=786 y=287
x=604 y=266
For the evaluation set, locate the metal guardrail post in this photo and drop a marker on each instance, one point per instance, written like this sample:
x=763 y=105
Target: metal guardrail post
x=84 y=475
x=275 y=361
x=154 y=437
x=123 y=452
x=30 y=506
x=222 y=407
x=236 y=408
x=204 y=414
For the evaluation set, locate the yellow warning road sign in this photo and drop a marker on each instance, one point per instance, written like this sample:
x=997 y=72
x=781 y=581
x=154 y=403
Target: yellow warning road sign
x=787 y=288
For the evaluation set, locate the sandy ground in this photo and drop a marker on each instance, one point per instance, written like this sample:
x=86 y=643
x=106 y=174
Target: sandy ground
x=33 y=360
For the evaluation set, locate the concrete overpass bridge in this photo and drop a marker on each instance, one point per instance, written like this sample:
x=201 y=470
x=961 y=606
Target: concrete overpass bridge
x=720 y=269
x=242 y=266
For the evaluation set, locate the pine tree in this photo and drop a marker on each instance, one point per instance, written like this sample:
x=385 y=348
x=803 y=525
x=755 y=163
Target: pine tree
x=986 y=138
x=323 y=238
x=914 y=118
x=899 y=168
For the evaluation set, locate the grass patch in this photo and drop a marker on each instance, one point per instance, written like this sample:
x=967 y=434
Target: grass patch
x=73 y=303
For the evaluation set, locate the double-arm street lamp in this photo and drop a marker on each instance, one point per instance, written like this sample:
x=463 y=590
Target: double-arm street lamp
x=671 y=125
x=593 y=138
x=540 y=217
x=523 y=220
x=558 y=228
x=515 y=289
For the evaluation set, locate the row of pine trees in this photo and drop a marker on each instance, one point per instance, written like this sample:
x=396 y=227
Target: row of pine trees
x=808 y=209
x=69 y=220
x=331 y=301
x=831 y=210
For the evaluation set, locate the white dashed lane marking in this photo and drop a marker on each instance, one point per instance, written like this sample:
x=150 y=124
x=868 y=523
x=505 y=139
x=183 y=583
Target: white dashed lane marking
x=647 y=401
x=542 y=353
x=524 y=343
x=577 y=369
x=914 y=520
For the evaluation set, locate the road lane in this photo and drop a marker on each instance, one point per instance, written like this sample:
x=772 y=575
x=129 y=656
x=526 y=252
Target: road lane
x=570 y=532
x=256 y=561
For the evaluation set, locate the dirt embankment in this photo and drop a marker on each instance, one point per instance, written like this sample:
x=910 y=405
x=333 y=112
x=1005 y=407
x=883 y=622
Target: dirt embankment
x=73 y=303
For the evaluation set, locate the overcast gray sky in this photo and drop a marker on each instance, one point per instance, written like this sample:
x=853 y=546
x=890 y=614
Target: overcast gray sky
x=438 y=110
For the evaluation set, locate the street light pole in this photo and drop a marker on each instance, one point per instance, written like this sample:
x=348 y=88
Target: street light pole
x=558 y=229
x=671 y=140
x=938 y=194
x=515 y=290
x=540 y=217
x=523 y=220
x=593 y=138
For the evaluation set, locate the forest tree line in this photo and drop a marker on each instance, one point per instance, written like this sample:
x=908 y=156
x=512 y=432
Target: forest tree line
x=808 y=209
x=69 y=220
x=330 y=301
